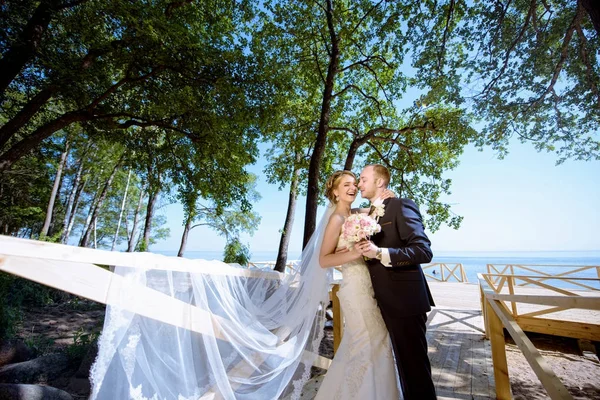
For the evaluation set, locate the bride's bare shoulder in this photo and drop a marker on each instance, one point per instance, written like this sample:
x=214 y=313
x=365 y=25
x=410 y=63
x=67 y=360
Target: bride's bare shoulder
x=337 y=218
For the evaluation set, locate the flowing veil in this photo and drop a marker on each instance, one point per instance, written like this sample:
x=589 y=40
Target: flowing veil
x=239 y=334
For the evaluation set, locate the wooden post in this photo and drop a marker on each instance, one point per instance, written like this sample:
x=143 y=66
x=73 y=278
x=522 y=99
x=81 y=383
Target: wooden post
x=511 y=290
x=338 y=318
x=483 y=311
x=496 y=334
x=555 y=388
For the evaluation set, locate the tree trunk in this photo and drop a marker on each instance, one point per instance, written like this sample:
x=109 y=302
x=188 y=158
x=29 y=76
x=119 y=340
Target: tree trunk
x=153 y=196
x=69 y=209
x=88 y=219
x=86 y=236
x=354 y=146
x=29 y=40
x=80 y=190
x=593 y=9
x=24 y=146
x=57 y=179
x=312 y=196
x=24 y=115
x=121 y=213
x=25 y=45
x=131 y=243
x=289 y=222
x=186 y=232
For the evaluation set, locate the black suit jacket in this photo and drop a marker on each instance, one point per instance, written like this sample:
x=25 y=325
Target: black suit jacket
x=401 y=290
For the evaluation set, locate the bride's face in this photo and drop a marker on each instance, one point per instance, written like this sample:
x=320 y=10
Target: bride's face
x=346 y=190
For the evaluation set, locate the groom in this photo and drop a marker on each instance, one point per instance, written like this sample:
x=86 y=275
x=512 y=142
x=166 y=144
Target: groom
x=400 y=288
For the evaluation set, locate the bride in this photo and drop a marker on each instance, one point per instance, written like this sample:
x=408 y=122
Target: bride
x=363 y=366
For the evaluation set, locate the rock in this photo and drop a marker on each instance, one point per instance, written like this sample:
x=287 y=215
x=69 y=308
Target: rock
x=79 y=387
x=9 y=391
x=84 y=368
x=14 y=352
x=41 y=369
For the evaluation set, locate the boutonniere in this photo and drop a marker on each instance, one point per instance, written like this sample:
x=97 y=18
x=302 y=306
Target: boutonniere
x=377 y=211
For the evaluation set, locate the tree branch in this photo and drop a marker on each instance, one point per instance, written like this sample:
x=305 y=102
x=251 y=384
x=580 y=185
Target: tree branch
x=364 y=17
x=445 y=36
x=316 y=56
x=25 y=114
x=563 y=56
x=122 y=82
x=510 y=49
x=174 y=5
x=358 y=89
x=589 y=70
x=363 y=62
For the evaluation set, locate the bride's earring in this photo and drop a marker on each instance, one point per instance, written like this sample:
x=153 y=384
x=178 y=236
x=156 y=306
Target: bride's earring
x=337 y=198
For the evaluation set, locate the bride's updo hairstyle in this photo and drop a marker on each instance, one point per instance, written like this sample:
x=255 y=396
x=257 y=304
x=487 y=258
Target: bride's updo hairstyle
x=333 y=182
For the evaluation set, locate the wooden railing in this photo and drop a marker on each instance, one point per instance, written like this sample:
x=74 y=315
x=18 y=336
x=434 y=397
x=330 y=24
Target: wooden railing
x=544 y=272
x=446 y=272
x=499 y=298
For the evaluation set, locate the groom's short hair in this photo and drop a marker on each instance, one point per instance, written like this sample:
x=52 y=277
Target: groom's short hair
x=381 y=172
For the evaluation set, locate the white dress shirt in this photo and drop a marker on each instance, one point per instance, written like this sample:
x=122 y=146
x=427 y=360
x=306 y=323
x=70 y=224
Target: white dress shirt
x=385 y=253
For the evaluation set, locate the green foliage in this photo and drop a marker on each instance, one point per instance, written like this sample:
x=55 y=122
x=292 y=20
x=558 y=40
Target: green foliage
x=82 y=341
x=15 y=294
x=168 y=90
x=23 y=194
x=9 y=314
x=366 y=122
x=236 y=252
x=526 y=69
x=40 y=345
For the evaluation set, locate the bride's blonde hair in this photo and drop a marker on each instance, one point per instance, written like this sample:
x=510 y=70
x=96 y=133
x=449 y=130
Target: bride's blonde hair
x=333 y=182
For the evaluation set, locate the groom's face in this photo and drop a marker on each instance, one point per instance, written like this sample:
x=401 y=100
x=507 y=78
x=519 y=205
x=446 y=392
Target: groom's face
x=367 y=183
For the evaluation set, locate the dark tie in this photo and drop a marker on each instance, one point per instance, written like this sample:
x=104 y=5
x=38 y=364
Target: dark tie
x=371 y=209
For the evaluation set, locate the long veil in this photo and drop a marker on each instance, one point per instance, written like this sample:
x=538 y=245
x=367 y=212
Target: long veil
x=237 y=335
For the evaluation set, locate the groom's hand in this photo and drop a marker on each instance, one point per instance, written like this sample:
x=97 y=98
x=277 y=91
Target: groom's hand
x=367 y=248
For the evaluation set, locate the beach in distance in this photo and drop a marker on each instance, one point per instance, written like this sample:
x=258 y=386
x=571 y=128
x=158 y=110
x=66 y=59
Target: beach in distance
x=473 y=262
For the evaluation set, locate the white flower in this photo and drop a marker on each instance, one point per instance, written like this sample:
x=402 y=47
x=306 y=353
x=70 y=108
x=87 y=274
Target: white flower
x=378 y=211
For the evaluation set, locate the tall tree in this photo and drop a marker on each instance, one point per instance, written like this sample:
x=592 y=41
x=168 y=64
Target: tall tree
x=131 y=240
x=100 y=64
x=356 y=50
x=123 y=203
x=55 y=186
x=95 y=210
x=526 y=69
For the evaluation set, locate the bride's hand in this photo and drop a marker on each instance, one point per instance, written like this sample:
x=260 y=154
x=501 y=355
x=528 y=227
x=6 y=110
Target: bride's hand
x=341 y=250
x=387 y=194
x=361 y=247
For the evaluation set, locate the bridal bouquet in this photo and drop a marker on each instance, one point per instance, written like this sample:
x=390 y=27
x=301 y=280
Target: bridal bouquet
x=358 y=227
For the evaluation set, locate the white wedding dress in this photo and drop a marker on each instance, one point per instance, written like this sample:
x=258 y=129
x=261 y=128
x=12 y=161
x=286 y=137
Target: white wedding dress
x=363 y=366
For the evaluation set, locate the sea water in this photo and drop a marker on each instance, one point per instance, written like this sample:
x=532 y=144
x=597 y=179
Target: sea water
x=473 y=262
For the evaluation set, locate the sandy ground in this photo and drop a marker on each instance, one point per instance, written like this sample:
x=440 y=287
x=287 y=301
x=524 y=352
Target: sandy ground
x=53 y=328
x=578 y=370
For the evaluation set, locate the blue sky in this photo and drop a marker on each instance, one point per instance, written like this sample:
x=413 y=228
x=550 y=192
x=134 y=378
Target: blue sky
x=522 y=203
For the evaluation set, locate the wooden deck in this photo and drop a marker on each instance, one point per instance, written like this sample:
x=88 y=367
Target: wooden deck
x=461 y=360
